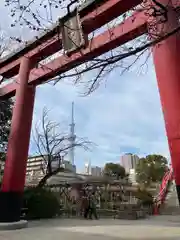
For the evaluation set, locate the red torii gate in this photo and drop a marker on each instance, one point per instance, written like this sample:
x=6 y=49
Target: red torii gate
x=166 y=58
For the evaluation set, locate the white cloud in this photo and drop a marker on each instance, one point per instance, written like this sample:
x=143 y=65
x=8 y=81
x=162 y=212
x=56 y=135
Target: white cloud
x=123 y=116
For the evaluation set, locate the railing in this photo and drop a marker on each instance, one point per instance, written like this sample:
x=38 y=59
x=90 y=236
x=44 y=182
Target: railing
x=161 y=197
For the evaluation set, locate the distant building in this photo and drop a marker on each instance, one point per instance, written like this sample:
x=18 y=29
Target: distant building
x=36 y=166
x=87 y=169
x=132 y=175
x=69 y=166
x=96 y=171
x=129 y=161
x=92 y=170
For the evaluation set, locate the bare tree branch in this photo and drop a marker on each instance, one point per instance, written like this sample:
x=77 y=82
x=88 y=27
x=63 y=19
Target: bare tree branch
x=100 y=67
x=53 y=144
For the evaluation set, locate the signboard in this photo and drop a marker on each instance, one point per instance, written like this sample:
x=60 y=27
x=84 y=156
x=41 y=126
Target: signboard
x=72 y=34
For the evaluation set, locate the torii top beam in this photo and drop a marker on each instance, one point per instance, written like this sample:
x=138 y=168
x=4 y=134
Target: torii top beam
x=50 y=42
x=92 y=18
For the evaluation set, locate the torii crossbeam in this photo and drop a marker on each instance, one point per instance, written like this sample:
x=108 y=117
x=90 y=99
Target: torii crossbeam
x=22 y=63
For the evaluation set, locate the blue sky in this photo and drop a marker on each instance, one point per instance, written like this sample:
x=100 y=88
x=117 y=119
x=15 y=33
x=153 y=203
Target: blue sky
x=122 y=115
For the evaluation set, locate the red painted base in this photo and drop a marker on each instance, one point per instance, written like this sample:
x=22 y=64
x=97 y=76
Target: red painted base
x=156 y=211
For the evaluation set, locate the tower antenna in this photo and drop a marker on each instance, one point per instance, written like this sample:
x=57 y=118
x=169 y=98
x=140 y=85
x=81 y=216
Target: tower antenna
x=72 y=135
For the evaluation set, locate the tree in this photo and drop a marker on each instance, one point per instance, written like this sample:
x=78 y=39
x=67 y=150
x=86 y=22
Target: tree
x=5 y=123
x=52 y=145
x=144 y=196
x=5 y=105
x=5 y=108
x=151 y=169
x=5 y=43
x=114 y=170
x=38 y=15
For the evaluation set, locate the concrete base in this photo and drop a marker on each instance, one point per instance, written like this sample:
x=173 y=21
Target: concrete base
x=13 y=225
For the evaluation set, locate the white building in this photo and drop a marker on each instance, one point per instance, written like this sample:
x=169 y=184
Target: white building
x=129 y=161
x=36 y=166
x=96 y=171
x=132 y=176
x=92 y=170
x=67 y=165
x=87 y=169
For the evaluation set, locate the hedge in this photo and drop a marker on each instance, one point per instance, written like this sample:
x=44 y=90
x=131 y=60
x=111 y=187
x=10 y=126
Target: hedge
x=40 y=203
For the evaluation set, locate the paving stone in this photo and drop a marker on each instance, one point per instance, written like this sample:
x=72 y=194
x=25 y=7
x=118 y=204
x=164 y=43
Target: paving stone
x=159 y=228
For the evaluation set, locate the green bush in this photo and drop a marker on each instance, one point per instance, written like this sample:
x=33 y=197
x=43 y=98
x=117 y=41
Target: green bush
x=40 y=203
x=144 y=196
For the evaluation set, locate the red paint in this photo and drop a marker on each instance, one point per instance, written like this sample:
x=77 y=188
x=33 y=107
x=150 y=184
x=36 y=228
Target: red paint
x=106 y=12
x=15 y=167
x=8 y=90
x=51 y=43
x=39 y=53
x=133 y=27
x=164 y=189
x=175 y=3
x=166 y=59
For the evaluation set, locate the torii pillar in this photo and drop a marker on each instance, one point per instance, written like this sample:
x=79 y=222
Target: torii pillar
x=166 y=57
x=12 y=189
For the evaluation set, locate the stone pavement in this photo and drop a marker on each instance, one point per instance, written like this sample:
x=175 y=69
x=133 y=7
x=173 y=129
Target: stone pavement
x=154 y=228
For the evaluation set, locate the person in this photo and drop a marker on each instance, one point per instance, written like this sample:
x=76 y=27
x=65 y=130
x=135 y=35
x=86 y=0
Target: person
x=92 y=207
x=85 y=206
